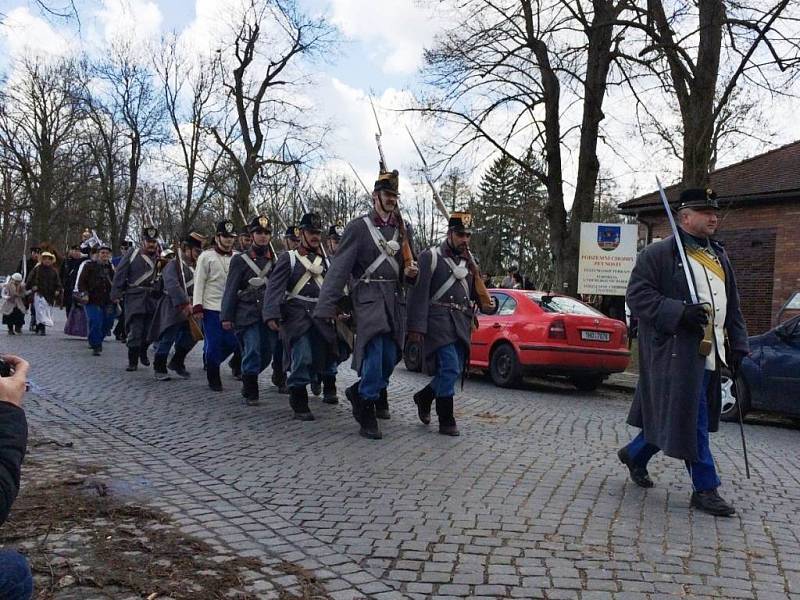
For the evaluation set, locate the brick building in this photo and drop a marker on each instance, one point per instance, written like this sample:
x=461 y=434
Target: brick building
x=759 y=225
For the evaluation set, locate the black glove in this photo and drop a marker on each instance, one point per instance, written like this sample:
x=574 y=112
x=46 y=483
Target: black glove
x=736 y=360
x=694 y=317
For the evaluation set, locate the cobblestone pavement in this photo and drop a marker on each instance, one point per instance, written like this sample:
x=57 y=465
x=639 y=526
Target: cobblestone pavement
x=530 y=502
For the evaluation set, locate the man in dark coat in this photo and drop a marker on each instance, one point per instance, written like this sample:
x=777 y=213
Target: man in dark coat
x=69 y=274
x=133 y=281
x=242 y=304
x=374 y=259
x=289 y=304
x=442 y=319
x=94 y=288
x=43 y=280
x=677 y=400
x=25 y=266
x=170 y=324
x=16 y=580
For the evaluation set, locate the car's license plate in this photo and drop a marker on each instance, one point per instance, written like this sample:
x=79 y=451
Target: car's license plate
x=596 y=336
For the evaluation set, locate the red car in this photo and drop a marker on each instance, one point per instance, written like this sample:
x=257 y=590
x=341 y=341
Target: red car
x=534 y=333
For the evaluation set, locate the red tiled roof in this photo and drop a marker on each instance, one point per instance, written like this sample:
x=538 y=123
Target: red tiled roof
x=773 y=173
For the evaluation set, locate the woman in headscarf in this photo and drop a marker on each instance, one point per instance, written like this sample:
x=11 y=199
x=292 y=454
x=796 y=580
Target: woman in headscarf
x=13 y=304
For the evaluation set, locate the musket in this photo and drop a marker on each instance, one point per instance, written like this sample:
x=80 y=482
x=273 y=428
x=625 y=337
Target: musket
x=25 y=257
x=484 y=298
x=361 y=181
x=707 y=344
x=378 y=136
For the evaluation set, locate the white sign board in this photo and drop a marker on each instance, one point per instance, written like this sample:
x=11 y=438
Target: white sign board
x=607 y=256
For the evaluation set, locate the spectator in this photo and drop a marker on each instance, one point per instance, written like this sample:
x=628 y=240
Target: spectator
x=12 y=305
x=16 y=580
x=518 y=282
x=508 y=280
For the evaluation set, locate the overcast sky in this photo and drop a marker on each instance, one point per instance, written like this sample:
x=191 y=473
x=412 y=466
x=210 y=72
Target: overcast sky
x=381 y=53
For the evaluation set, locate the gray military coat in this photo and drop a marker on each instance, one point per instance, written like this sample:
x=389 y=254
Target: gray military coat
x=448 y=319
x=168 y=311
x=138 y=297
x=666 y=403
x=294 y=314
x=379 y=305
x=242 y=301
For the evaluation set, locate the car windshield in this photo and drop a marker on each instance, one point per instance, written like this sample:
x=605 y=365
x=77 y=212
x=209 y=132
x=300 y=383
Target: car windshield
x=563 y=304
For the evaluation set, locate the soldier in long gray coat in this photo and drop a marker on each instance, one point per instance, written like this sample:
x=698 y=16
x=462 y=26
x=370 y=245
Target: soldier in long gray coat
x=170 y=324
x=242 y=306
x=677 y=400
x=133 y=281
x=289 y=303
x=442 y=319
x=371 y=259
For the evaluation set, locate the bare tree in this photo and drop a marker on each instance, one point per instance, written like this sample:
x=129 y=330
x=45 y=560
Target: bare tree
x=508 y=74
x=259 y=70
x=132 y=99
x=189 y=89
x=704 y=54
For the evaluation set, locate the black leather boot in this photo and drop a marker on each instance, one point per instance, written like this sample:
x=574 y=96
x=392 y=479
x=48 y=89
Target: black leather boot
x=298 y=400
x=316 y=387
x=639 y=475
x=133 y=359
x=214 y=380
x=329 y=390
x=279 y=381
x=160 y=367
x=710 y=502
x=382 y=406
x=423 y=399
x=447 y=421
x=235 y=363
x=177 y=364
x=369 y=422
x=351 y=394
x=143 y=357
x=250 y=388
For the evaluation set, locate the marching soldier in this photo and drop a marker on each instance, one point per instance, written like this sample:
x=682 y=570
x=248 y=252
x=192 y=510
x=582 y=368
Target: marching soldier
x=334 y=237
x=288 y=307
x=291 y=239
x=170 y=325
x=243 y=241
x=374 y=257
x=677 y=400
x=133 y=281
x=242 y=305
x=210 y=276
x=441 y=321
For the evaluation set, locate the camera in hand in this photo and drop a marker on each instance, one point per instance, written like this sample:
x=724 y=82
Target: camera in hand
x=5 y=369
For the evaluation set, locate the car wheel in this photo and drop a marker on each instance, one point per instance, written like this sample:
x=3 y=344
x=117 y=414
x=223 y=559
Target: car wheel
x=412 y=356
x=587 y=383
x=504 y=367
x=731 y=405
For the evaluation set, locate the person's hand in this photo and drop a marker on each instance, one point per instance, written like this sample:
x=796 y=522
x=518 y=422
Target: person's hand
x=695 y=316
x=416 y=337
x=186 y=309
x=737 y=356
x=197 y=309
x=411 y=271
x=273 y=325
x=12 y=388
x=227 y=325
x=343 y=316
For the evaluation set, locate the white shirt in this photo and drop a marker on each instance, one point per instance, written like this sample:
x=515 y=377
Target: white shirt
x=210 y=275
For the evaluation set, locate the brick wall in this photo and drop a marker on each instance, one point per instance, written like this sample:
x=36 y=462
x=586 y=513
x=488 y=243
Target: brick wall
x=763 y=241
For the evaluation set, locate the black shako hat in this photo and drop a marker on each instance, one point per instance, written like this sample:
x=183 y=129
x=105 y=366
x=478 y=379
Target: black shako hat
x=335 y=231
x=460 y=221
x=292 y=232
x=193 y=240
x=311 y=222
x=388 y=181
x=226 y=228
x=245 y=230
x=150 y=233
x=698 y=199
x=260 y=224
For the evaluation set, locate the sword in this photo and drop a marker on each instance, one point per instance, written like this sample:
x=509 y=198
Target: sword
x=735 y=389
x=706 y=345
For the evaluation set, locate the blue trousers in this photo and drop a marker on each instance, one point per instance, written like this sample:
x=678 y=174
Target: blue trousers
x=177 y=334
x=302 y=372
x=99 y=320
x=449 y=364
x=257 y=342
x=219 y=344
x=702 y=471
x=16 y=580
x=380 y=357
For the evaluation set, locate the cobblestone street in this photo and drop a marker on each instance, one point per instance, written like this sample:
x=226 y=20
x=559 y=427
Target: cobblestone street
x=530 y=502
